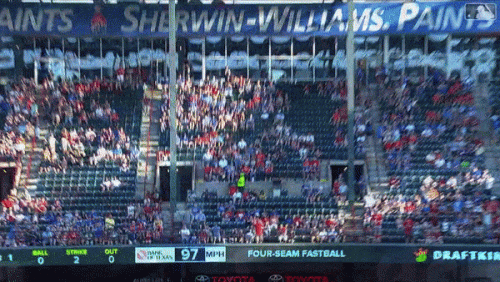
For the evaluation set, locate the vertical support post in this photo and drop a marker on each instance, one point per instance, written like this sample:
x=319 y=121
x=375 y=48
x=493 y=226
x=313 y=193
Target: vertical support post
x=448 y=56
x=203 y=59
x=269 y=68
x=153 y=60
x=36 y=62
x=248 y=57
x=49 y=58
x=79 y=61
x=367 y=63
x=336 y=50
x=225 y=51
x=166 y=65
x=386 y=50
x=139 y=60
x=314 y=59
x=100 y=54
x=426 y=53
x=64 y=57
x=403 y=51
x=123 y=54
x=172 y=38
x=350 y=102
x=291 y=58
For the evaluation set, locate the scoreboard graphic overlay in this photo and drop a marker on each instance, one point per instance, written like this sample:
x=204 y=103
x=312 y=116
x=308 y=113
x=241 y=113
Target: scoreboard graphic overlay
x=249 y=253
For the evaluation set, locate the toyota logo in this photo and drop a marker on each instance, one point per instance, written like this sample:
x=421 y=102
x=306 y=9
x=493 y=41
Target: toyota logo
x=202 y=278
x=275 y=278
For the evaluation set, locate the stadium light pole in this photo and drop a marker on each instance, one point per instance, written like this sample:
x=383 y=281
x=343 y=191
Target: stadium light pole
x=172 y=36
x=350 y=101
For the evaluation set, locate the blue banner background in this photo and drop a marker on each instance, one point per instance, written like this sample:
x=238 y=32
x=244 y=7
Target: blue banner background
x=196 y=21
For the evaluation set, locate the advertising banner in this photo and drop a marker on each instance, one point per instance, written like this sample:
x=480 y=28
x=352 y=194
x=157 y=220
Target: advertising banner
x=133 y=20
x=154 y=255
x=456 y=254
x=263 y=277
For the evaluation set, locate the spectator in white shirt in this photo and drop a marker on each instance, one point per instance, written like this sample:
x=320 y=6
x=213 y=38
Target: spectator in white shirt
x=452 y=182
x=439 y=163
x=131 y=210
x=207 y=157
x=242 y=144
x=223 y=162
x=185 y=234
x=310 y=139
x=52 y=143
x=106 y=185
x=116 y=182
x=427 y=132
x=237 y=196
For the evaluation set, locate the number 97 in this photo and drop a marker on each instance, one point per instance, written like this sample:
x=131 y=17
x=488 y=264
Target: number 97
x=189 y=254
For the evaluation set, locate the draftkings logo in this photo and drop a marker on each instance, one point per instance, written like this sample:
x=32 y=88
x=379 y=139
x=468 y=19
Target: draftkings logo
x=421 y=255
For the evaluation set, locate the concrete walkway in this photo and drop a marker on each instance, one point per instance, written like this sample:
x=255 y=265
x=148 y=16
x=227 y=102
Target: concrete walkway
x=149 y=140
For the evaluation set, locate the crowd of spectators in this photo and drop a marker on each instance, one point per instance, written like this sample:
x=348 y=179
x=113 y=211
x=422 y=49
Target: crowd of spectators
x=430 y=111
x=19 y=116
x=436 y=216
x=72 y=111
x=455 y=203
x=212 y=116
x=220 y=117
x=431 y=127
x=27 y=221
x=256 y=225
x=82 y=132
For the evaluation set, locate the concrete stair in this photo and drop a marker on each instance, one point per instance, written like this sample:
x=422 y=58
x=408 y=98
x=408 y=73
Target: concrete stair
x=172 y=224
x=148 y=142
x=353 y=221
x=375 y=161
x=34 y=150
x=481 y=94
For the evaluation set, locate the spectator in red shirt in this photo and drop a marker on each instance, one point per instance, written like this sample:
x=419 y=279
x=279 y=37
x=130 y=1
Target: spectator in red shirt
x=232 y=190
x=208 y=173
x=409 y=207
x=258 y=225
x=7 y=204
x=408 y=227
x=268 y=170
x=283 y=233
x=492 y=206
x=377 y=219
x=394 y=182
x=336 y=187
x=120 y=74
x=297 y=220
x=306 y=169
x=315 y=168
x=246 y=169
